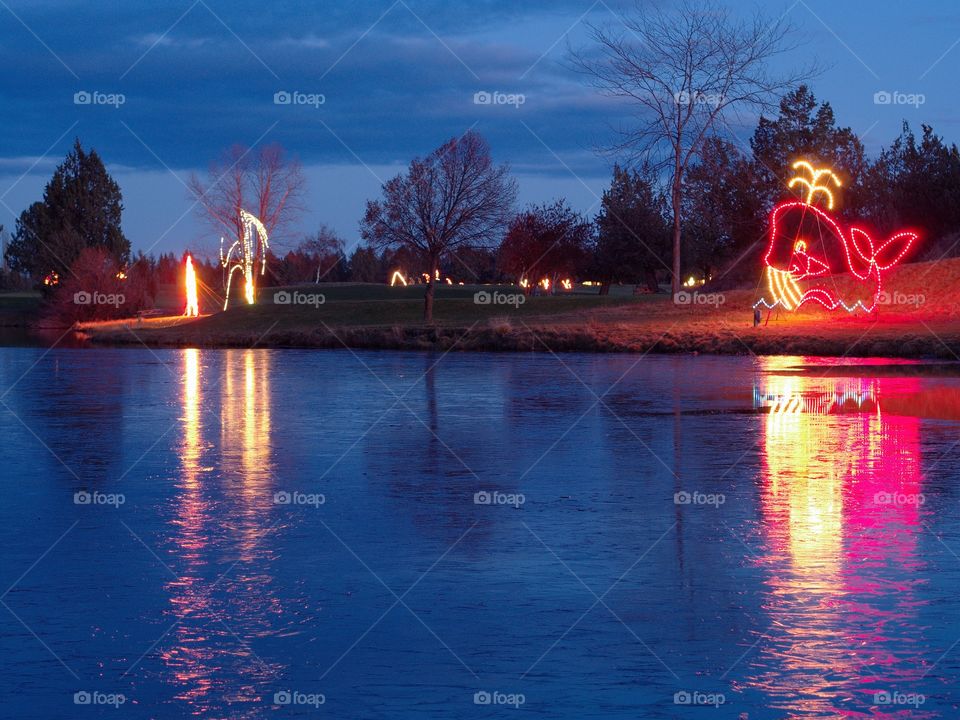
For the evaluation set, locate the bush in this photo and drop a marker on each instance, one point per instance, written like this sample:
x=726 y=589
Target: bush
x=97 y=288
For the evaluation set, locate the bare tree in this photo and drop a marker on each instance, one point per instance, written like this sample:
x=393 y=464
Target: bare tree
x=453 y=198
x=327 y=247
x=683 y=70
x=263 y=182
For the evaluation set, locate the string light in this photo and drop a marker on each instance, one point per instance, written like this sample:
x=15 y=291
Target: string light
x=785 y=399
x=865 y=260
x=813 y=183
x=190 y=282
x=398 y=279
x=246 y=251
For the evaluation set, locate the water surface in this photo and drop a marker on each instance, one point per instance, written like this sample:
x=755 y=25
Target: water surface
x=778 y=535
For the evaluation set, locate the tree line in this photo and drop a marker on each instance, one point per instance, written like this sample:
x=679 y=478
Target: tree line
x=728 y=194
x=685 y=198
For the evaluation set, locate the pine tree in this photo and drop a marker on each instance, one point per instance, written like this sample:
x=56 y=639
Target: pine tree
x=633 y=237
x=81 y=208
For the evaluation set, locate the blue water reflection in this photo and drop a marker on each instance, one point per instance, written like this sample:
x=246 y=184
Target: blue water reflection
x=775 y=537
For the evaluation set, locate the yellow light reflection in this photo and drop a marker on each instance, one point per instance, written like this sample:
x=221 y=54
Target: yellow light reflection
x=190 y=454
x=221 y=517
x=830 y=457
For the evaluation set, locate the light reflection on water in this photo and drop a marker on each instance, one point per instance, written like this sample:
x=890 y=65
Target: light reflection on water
x=841 y=492
x=822 y=580
x=211 y=659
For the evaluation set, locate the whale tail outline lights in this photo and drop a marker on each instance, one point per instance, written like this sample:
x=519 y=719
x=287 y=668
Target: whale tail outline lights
x=808 y=248
x=192 y=308
x=242 y=256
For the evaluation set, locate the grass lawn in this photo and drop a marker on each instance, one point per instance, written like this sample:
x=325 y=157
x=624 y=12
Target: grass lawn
x=364 y=315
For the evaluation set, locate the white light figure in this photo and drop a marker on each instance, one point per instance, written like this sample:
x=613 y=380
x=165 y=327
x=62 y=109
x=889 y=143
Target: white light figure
x=242 y=255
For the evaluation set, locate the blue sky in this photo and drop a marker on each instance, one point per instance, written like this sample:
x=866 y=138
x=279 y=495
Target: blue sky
x=398 y=78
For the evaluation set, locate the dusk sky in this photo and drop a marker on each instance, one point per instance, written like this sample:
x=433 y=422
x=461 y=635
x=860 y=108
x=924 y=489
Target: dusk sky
x=398 y=78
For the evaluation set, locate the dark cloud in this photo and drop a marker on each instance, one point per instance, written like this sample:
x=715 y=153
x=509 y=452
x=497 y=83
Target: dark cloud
x=397 y=78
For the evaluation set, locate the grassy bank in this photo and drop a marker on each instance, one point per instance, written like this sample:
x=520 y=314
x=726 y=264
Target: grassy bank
x=923 y=322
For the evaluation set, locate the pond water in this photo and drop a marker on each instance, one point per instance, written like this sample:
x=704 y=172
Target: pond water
x=254 y=533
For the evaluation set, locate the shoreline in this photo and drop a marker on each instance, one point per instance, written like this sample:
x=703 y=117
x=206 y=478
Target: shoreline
x=921 y=319
x=876 y=340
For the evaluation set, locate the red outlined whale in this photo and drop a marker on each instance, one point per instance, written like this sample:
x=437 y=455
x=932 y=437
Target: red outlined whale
x=808 y=248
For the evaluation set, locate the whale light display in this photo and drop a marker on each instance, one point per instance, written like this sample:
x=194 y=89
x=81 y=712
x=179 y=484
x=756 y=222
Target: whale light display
x=808 y=248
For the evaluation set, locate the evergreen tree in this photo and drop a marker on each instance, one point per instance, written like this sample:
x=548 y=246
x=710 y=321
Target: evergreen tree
x=633 y=235
x=917 y=184
x=808 y=131
x=725 y=218
x=81 y=208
